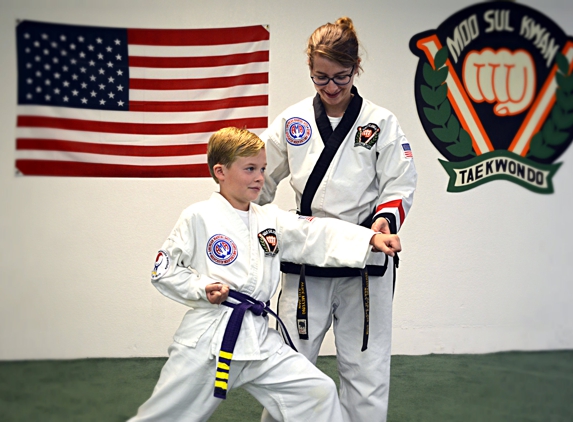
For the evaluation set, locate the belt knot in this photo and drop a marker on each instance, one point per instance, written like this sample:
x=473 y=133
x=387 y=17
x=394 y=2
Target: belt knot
x=259 y=308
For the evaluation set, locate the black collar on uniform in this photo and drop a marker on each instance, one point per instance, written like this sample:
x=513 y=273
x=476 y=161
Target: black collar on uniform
x=332 y=141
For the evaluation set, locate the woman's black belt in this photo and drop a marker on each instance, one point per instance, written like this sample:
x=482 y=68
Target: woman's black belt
x=331 y=272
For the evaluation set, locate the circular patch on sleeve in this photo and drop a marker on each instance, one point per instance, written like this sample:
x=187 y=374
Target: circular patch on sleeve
x=221 y=250
x=161 y=265
x=297 y=131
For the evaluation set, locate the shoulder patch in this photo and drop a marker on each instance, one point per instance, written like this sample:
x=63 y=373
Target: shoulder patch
x=269 y=242
x=304 y=217
x=297 y=131
x=407 y=150
x=161 y=265
x=222 y=250
x=366 y=136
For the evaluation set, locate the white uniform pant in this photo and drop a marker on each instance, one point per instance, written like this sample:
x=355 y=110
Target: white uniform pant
x=286 y=384
x=364 y=376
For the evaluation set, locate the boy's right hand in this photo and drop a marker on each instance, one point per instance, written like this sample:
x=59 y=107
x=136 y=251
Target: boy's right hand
x=387 y=243
x=217 y=293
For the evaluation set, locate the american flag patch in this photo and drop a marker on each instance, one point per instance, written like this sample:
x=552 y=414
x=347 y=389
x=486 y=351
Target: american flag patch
x=407 y=151
x=305 y=217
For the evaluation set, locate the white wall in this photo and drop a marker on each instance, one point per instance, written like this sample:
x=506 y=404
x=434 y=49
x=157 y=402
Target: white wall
x=485 y=270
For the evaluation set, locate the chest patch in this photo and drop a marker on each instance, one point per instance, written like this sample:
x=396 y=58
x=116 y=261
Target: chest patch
x=366 y=136
x=269 y=242
x=297 y=131
x=161 y=265
x=222 y=250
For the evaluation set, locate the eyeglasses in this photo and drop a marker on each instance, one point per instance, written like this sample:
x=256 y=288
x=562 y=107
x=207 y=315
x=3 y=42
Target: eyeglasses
x=338 y=80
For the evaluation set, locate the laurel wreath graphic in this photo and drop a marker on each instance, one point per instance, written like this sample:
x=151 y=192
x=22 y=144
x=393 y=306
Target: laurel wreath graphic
x=435 y=94
x=555 y=130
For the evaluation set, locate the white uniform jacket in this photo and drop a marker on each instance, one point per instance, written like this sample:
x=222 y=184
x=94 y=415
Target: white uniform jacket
x=372 y=171
x=210 y=243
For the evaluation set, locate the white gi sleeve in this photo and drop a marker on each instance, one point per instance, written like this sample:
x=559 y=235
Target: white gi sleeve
x=396 y=174
x=277 y=160
x=323 y=242
x=175 y=276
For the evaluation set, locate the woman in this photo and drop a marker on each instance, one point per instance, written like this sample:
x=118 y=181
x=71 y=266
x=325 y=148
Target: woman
x=348 y=159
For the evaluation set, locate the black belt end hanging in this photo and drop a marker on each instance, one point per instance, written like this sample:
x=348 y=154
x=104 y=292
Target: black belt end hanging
x=366 y=306
x=396 y=264
x=302 y=307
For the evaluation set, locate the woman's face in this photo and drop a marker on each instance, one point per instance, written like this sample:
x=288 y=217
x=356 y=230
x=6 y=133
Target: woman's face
x=334 y=97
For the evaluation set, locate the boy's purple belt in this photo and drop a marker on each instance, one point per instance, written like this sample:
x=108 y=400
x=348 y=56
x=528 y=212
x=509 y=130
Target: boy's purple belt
x=232 y=333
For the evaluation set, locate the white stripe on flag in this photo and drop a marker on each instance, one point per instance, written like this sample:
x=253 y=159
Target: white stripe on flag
x=109 y=159
x=198 y=94
x=142 y=117
x=117 y=138
x=196 y=51
x=197 y=72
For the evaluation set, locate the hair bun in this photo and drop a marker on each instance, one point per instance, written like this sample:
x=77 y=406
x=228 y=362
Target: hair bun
x=346 y=22
x=337 y=42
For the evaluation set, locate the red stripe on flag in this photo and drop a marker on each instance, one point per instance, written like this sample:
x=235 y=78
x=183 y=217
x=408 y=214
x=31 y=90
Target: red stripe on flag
x=72 y=168
x=215 y=36
x=394 y=204
x=211 y=61
x=139 y=128
x=208 y=105
x=203 y=83
x=107 y=149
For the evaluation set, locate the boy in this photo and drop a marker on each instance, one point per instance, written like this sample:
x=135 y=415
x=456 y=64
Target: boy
x=227 y=244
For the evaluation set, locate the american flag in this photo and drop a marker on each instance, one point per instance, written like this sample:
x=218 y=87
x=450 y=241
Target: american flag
x=407 y=151
x=111 y=102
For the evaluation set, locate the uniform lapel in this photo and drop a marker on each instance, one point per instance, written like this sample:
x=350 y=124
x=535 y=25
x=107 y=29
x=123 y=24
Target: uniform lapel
x=332 y=141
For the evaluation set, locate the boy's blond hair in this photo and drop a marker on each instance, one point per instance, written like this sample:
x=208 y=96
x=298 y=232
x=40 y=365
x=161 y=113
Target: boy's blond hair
x=229 y=143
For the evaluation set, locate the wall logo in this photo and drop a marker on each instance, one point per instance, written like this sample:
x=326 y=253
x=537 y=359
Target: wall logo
x=494 y=92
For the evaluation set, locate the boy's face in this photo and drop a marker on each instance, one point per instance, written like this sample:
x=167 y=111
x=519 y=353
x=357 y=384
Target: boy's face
x=242 y=182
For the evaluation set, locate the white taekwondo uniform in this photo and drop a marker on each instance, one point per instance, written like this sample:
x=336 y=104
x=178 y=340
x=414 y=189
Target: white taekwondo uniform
x=370 y=175
x=210 y=243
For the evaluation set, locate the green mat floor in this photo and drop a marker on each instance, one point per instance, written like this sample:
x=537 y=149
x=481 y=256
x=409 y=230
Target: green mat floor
x=515 y=386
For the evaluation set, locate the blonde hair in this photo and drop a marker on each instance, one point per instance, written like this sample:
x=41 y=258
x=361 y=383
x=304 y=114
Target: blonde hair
x=337 y=42
x=229 y=143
